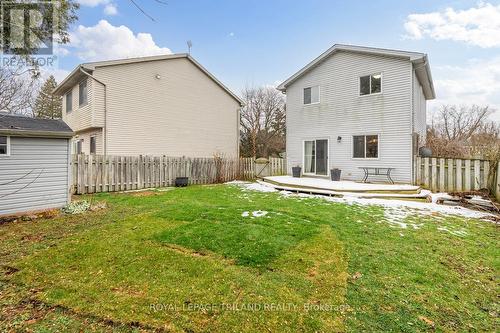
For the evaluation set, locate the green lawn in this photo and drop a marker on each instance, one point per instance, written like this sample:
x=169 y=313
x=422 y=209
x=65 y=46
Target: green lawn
x=196 y=260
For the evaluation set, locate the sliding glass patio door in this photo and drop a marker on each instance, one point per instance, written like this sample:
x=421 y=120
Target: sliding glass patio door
x=316 y=157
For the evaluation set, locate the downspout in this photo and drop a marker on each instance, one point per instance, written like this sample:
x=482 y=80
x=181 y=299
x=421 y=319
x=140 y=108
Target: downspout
x=104 y=132
x=412 y=127
x=414 y=72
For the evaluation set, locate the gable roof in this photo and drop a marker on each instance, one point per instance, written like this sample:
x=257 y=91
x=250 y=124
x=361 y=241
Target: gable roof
x=419 y=61
x=75 y=76
x=11 y=124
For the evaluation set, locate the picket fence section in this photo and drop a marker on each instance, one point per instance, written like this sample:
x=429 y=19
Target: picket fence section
x=454 y=175
x=100 y=173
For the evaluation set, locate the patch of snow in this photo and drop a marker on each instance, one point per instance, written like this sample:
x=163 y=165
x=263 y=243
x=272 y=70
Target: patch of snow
x=459 y=232
x=259 y=213
x=252 y=186
x=255 y=213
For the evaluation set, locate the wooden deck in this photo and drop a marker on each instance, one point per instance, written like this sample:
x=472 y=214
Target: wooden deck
x=345 y=188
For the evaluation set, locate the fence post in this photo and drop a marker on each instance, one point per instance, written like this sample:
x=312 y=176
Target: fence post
x=459 y=186
x=497 y=182
x=467 y=176
x=477 y=175
x=441 y=175
x=451 y=184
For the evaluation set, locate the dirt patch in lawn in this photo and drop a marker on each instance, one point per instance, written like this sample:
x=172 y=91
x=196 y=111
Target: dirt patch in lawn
x=144 y=194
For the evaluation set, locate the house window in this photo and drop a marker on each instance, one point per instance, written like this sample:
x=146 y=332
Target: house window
x=370 y=84
x=82 y=93
x=69 y=101
x=365 y=146
x=4 y=145
x=311 y=95
x=79 y=146
x=92 y=144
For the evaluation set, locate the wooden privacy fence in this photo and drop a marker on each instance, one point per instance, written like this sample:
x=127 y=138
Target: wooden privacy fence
x=455 y=175
x=99 y=173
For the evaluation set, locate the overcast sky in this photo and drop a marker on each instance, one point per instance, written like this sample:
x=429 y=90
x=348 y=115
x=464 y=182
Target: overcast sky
x=247 y=43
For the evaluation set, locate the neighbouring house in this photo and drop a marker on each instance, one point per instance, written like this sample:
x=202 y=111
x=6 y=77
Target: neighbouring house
x=34 y=164
x=355 y=107
x=159 y=105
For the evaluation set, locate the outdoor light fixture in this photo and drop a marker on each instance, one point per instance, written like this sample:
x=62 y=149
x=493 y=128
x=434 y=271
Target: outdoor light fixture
x=339 y=139
x=158 y=76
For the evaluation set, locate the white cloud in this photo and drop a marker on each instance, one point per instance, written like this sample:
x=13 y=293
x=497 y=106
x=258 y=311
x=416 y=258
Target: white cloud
x=478 y=82
x=478 y=26
x=92 y=3
x=110 y=9
x=59 y=74
x=231 y=34
x=105 y=41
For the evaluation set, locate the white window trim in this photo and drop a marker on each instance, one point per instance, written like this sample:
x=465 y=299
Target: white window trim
x=327 y=159
x=8 y=147
x=365 y=158
x=87 y=99
x=319 y=95
x=371 y=94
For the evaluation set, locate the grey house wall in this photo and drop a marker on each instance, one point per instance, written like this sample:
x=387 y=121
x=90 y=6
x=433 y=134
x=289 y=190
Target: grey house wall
x=342 y=112
x=35 y=175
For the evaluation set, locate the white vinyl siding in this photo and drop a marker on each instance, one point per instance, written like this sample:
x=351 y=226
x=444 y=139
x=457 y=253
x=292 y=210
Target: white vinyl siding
x=343 y=113
x=184 y=113
x=82 y=117
x=35 y=175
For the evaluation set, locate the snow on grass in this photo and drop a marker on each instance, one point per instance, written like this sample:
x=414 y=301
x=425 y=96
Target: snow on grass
x=397 y=213
x=255 y=213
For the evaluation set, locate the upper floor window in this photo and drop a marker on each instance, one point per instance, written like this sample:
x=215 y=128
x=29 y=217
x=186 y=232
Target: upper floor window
x=69 y=101
x=365 y=146
x=311 y=95
x=370 y=84
x=4 y=146
x=82 y=95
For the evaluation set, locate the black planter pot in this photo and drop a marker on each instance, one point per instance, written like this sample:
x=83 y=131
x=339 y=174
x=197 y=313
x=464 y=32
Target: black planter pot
x=425 y=152
x=181 y=181
x=296 y=171
x=335 y=174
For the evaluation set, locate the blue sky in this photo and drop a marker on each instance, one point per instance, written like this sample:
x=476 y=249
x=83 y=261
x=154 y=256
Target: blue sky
x=264 y=42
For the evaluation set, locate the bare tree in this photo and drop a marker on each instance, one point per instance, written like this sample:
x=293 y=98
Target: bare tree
x=17 y=89
x=464 y=131
x=262 y=122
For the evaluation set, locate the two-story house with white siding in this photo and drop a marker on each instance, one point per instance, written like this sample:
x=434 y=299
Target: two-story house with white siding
x=159 y=105
x=355 y=107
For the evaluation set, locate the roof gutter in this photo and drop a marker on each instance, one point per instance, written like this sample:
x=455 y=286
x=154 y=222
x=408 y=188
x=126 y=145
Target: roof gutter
x=36 y=133
x=105 y=134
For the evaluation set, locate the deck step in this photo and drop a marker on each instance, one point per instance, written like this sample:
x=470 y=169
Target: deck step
x=421 y=196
